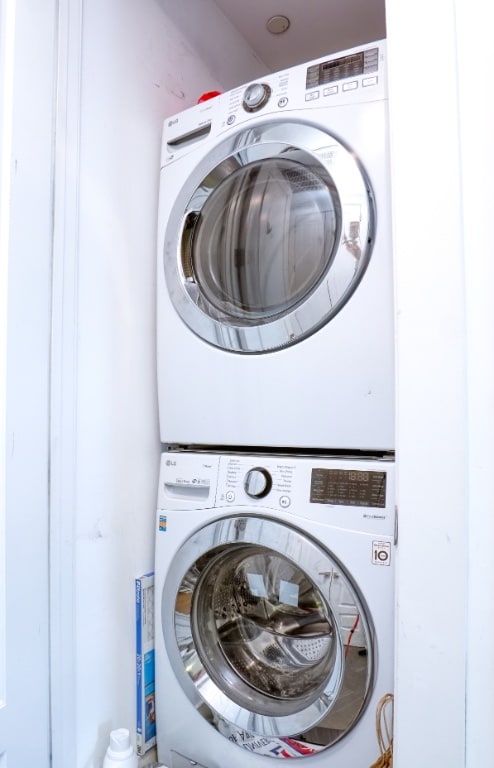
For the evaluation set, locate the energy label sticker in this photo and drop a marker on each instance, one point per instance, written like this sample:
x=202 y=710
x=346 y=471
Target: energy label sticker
x=381 y=553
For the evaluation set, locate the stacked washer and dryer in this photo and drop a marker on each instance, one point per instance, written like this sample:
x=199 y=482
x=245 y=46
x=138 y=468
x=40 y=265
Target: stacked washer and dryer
x=276 y=517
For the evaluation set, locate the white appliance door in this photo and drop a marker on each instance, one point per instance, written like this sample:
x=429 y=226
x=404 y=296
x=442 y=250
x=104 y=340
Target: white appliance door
x=269 y=237
x=258 y=639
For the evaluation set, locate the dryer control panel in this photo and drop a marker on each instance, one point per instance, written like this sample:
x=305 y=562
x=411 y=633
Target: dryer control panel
x=355 y=76
x=363 y=62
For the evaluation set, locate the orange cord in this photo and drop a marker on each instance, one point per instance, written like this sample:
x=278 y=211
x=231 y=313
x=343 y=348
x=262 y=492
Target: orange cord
x=384 y=731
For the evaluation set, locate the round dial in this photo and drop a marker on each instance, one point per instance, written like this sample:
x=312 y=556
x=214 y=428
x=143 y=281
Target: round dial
x=257 y=483
x=256 y=96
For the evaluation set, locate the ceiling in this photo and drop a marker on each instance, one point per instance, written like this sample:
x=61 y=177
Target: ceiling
x=317 y=27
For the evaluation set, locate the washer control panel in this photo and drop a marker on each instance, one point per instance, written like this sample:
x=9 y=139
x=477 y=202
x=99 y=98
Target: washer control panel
x=245 y=480
x=350 y=487
x=347 y=492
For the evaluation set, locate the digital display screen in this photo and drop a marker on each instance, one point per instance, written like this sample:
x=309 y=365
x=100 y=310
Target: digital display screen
x=345 y=67
x=332 y=70
x=348 y=487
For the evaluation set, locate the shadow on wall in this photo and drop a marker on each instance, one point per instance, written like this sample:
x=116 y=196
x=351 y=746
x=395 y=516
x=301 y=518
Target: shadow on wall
x=316 y=28
x=202 y=25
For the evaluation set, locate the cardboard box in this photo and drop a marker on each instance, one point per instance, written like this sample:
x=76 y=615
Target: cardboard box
x=146 y=716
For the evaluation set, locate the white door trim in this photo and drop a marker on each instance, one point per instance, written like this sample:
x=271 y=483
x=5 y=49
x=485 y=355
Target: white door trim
x=63 y=448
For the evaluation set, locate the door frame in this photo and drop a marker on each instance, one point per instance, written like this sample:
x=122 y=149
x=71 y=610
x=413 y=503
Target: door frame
x=29 y=50
x=63 y=398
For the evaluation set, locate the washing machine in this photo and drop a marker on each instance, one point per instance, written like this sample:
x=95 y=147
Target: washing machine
x=274 y=279
x=274 y=608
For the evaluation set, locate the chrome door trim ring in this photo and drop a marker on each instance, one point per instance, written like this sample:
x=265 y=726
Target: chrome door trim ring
x=271 y=140
x=319 y=564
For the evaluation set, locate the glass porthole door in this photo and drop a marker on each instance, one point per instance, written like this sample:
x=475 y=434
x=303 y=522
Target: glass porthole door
x=259 y=638
x=269 y=237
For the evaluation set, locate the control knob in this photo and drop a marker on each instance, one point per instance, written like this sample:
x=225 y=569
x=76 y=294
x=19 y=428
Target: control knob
x=257 y=483
x=256 y=96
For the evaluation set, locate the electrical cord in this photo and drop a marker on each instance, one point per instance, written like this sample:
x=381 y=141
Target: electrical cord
x=350 y=634
x=384 y=731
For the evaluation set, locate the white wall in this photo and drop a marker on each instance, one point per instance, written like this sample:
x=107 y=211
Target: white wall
x=137 y=67
x=27 y=60
x=442 y=123
x=200 y=30
x=431 y=415
x=477 y=154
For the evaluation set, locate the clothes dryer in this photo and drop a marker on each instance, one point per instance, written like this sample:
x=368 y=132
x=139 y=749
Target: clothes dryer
x=275 y=292
x=274 y=608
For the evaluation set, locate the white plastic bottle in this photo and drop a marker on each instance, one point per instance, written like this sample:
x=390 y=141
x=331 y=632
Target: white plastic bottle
x=120 y=752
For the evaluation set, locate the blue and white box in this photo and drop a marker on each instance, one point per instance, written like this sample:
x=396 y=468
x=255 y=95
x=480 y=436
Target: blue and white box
x=146 y=716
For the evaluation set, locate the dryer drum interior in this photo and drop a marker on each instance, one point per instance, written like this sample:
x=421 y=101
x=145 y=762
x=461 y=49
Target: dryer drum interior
x=269 y=237
x=263 y=626
x=264 y=238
